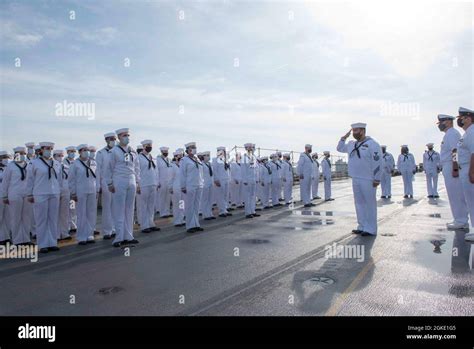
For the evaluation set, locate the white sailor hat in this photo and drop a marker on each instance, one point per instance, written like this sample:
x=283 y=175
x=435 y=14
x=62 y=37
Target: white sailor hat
x=109 y=134
x=18 y=149
x=92 y=148
x=190 y=144
x=429 y=144
x=287 y=154
x=3 y=153
x=308 y=146
x=264 y=158
x=180 y=150
x=200 y=154
x=82 y=146
x=139 y=146
x=146 y=141
x=164 y=148
x=30 y=144
x=359 y=125
x=248 y=145
x=208 y=153
x=442 y=117
x=465 y=112
x=404 y=146
x=46 y=144
x=58 y=152
x=221 y=148
x=122 y=130
x=71 y=147
x=326 y=152
x=37 y=147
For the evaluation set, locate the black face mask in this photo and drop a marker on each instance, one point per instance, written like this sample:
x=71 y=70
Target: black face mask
x=442 y=127
x=165 y=155
x=460 y=122
x=383 y=150
x=148 y=149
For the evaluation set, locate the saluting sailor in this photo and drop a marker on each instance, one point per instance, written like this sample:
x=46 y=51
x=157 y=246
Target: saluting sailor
x=431 y=167
x=327 y=175
x=407 y=167
x=64 y=198
x=388 y=165
x=265 y=182
x=123 y=180
x=163 y=201
x=364 y=166
x=177 y=197
x=249 y=178
x=305 y=171
x=192 y=182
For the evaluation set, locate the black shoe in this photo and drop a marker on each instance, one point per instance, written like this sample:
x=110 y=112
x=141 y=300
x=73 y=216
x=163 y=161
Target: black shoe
x=266 y=208
x=82 y=243
x=277 y=205
x=383 y=197
x=208 y=218
x=155 y=229
x=72 y=230
x=96 y=232
x=436 y=196
x=192 y=230
x=199 y=229
x=411 y=196
x=44 y=250
x=390 y=196
x=364 y=233
x=146 y=231
x=213 y=217
x=249 y=216
x=117 y=244
x=240 y=206
x=128 y=242
x=256 y=215
x=222 y=215
x=405 y=196
x=258 y=209
x=307 y=205
x=230 y=209
x=318 y=197
x=53 y=248
x=113 y=235
x=107 y=237
x=357 y=231
x=430 y=196
x=228 y=214
x=90 y=241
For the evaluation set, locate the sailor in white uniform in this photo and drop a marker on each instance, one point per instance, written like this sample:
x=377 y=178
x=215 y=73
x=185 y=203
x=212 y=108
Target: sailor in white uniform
x=327 y=175
x=14 y=195
x=30 y=151
x=177 y=197
x=287 y=177
x=103 y=159
x=407 y=166
x=43 y=189
x=236 y=181
x=192 y=182
x=71 y=153
x=221 y=169
x=277 y=174
x=453 y=184
x=64 y=198
x=206 y=199
x=364 y=164
x=149 y=185
x=315 y=181
x=265 y=182
x=5 y=236
x=83 y=186
x=465 y=157
x=431 y=167
x=163 y=202
x=388 y=165
x=123 y=180
x=249 y=178
x=305 y=172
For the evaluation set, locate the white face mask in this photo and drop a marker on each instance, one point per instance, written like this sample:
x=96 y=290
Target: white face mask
x=85 y=154
x=125 y=140
x=20 y=158
x=31 y=151
x=47 y=153
x=4 y=162
x=92 y=155
x=193 y=151
x=59 y=158
x=71 y=156
x=111 y=144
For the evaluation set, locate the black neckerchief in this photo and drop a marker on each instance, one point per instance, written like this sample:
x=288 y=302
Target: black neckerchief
x=68 y=161
x=197 y=162
x=165 y=160
x=23 y=171
x=50 y=168
x=309 y=157
x=65 y=175
x=87 y=169
x=278 y=166
x=317 y=162
x=209 y=167
x=430 y=156
x=405 y=157
x=357 y=147
x=329 y=163
x=268 y=168
x=290 y=166
x=125 y=152
x=150 y=162
x=226 y=165
x=385 y=155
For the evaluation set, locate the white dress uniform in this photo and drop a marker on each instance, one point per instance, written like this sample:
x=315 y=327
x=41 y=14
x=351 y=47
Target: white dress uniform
x=146 y=199
x=431 y=165
x=192 y=179
x=164 y=195
x=103 y=166
x=250 y=170
x=236 y=183
x=407 y=166
x=326 y=170
x=265 y=182
x=453 y=185
x=364 y=167
x=315 y=181
x=222 y=174
x=206 y=200
x=305 y=168
x=72 y=207
x=276 y=181
x=29 y=205
x=124 y=175
x=4 y=216
x=388 y=165
x=14 y=189
x=44 y=184
x=177 y=196
x=287 y=175
x=465 y=151
x=83 y=183
x=65 y=203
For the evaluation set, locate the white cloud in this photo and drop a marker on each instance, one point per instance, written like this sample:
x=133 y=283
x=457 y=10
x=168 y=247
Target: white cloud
x=12 y=35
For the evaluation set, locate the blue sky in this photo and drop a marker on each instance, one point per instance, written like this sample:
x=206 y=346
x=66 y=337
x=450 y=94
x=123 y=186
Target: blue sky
x=277 y=73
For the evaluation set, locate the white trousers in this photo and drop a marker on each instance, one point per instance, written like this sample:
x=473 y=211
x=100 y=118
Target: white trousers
x=177 y=198
x=314 y=186
x=72 y=216
x=29 y=209
x=64 y=213
x=305 y=189
x=407 y=177
x=19 y=219
x=265 y=192
x=468 y=189
x=456 y=198
x=46 y=210
x=191 y=207
x=164 y=200
x=123 y=204
x=288 y=190
x=327 y=187
x=106 y=219
x=146 y=207
x=432 y=183
x=235 y=193
x=386 y=183
x=206 y=202
x=86 y=208
x=276 y=190
x=250 y=197
x=222 y=194
x=365 y=199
